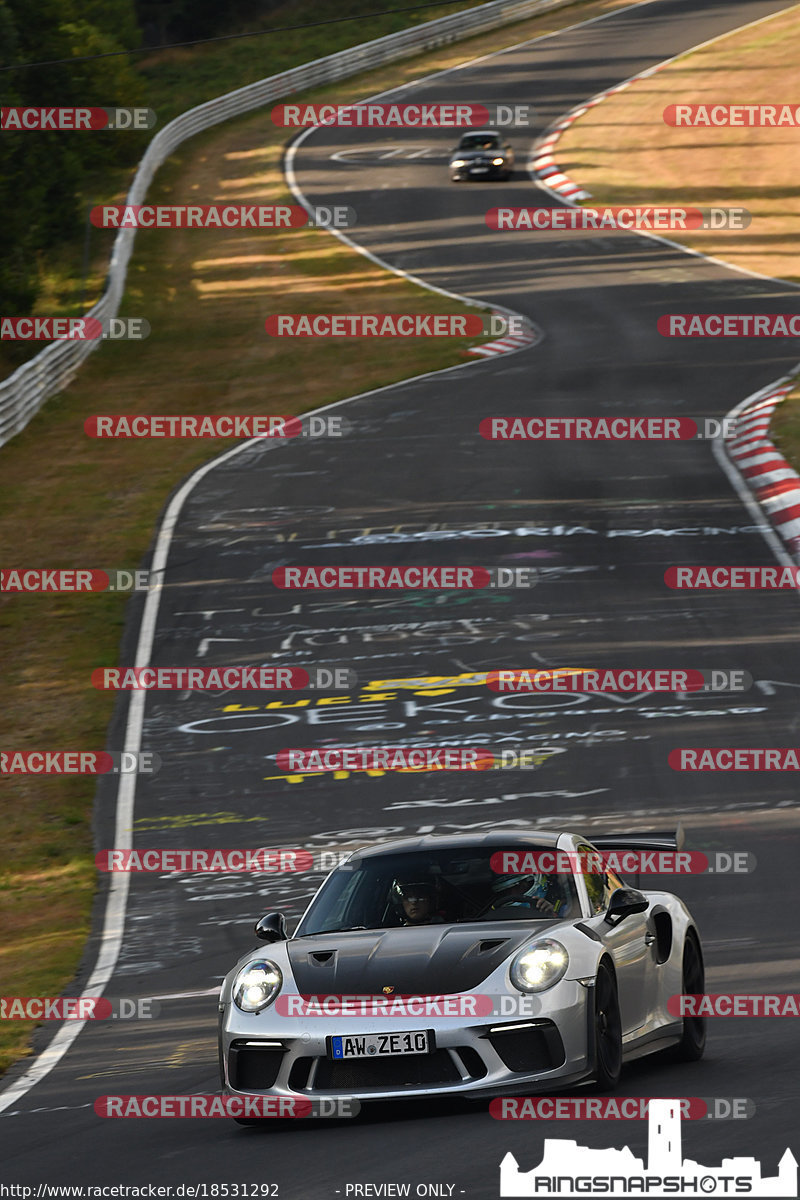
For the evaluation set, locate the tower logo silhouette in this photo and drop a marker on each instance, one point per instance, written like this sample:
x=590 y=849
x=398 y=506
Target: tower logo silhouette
x=568 y=1169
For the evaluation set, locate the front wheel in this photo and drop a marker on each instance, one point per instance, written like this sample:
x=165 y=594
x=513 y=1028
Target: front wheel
x=607 y=1029
x=693 y=1041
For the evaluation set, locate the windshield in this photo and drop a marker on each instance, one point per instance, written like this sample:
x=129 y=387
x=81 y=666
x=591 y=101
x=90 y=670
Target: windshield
x=435 y=887
x=479 y=141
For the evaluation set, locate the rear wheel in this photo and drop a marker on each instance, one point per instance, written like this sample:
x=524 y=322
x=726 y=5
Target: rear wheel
x=693 y=1040
x=607 y=1029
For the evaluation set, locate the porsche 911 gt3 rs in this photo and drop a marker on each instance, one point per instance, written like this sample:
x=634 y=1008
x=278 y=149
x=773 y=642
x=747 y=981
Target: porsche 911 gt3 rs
x=427 y=967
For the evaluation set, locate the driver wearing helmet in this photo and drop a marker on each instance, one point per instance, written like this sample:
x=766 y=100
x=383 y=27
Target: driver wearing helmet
x=415 y=901
x=537 y=893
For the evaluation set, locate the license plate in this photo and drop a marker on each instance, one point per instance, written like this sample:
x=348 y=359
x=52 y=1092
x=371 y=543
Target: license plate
x=379 y=1045
x=478 y=170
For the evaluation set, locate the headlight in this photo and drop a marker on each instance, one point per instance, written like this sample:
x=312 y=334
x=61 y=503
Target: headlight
x=498 y=162
x=458 y=162
x=256 y=985
x=539 y=966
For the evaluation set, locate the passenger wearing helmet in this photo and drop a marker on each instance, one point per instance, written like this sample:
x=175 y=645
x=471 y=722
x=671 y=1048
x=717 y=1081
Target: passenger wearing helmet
x=532 y=892
x=415 y=902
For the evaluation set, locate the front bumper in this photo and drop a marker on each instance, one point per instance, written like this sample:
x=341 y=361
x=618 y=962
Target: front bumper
x=470 y=171
x=264 y=1054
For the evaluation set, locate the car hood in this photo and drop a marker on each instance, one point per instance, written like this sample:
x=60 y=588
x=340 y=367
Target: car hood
x=469 y=155
x=414 y=960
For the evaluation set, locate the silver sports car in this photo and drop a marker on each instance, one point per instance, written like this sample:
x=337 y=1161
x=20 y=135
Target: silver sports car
x=481 y=964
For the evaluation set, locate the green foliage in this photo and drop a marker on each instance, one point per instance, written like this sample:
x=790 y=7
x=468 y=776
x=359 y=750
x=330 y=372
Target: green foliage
x=47 y=178
x=42 y=173
x=163 y=21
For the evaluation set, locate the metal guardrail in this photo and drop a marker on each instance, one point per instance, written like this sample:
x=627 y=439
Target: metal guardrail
x=24 y=392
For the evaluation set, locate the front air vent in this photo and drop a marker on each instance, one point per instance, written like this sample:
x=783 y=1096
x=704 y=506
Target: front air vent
x=321 y=956
x=490 y=944
x=473 y=1063
x=405 y=1071
x=299 y=1073
x=528 y=1046
x=254 y=1066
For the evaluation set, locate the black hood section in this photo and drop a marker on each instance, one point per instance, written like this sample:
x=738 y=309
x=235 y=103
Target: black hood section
x=414 y=960
x=477 y=155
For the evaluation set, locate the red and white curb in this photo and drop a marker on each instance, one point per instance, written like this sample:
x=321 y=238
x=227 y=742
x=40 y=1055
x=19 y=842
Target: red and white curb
x=773 y=481
x=542 y=164
x=544 y=169
x=509 y=343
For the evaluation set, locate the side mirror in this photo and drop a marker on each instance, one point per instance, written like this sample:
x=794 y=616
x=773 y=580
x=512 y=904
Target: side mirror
x=624 y=903
x=271 y=928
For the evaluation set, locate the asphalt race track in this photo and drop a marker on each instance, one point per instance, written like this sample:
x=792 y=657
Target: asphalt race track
x=412 y=482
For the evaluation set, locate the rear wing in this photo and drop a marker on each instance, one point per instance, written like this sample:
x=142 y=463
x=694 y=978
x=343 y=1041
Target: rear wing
x=650 y=840
x=641 y=841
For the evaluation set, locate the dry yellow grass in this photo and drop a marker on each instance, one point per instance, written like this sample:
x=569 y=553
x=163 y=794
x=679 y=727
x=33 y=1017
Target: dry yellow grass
x=622 y=151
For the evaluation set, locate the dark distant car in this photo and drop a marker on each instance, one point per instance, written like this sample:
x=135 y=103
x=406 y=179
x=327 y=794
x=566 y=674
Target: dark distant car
x=482 y=154
x=502 y=982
